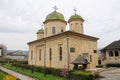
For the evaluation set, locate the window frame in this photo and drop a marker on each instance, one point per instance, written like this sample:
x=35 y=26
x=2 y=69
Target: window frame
x=111 y=54
x=40 y=54
x=116 y=53
x=50 y=54
x=72 y=50
x=53 y=30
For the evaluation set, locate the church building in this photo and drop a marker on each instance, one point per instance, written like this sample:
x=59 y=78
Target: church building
x=56 y=47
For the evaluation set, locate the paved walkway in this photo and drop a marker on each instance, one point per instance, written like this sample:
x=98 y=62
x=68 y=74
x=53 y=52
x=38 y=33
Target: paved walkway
x=110 y=74
x=16 y=74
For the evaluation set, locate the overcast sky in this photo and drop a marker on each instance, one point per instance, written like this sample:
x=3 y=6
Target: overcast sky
x=20 y=19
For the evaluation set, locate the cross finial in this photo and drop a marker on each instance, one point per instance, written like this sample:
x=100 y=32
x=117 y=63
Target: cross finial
x=55 y=7
x=42 y=25
x=75 y=10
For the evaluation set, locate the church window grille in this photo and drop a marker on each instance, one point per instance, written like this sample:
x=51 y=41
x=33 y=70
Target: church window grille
x=50 y=54
x=53 y=30
x=60 y=49
x=110 y=53
x=72 y=50
x=95 y=51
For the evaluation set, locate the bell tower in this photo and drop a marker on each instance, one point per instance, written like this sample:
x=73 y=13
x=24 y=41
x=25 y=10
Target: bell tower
x=76 y=23
x=54 y=23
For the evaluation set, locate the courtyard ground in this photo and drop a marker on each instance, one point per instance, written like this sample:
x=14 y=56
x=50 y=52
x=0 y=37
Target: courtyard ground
x=112 y=73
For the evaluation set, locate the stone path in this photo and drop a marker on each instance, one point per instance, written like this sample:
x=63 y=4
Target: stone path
x=16 y=74
x=110 y=74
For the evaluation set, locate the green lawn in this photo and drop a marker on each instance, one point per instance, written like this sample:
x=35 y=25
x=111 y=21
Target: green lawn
x=2 y=75
x=35 y=74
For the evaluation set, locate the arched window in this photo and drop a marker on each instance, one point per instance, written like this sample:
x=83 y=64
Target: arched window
x=50 y=54
x=40 y=54
x=116 y=53
x=46 y=31
x=90 y=58
x=110 y=53
x=53 y=30
x=62 y=30
x=60 y=50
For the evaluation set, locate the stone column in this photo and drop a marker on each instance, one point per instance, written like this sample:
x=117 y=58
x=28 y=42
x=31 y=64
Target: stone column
x=107 y=56
x=119 y=52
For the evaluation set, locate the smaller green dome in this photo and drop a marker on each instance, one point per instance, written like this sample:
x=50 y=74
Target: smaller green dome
x=75 y=17
x=55 y=15
x=40 y=31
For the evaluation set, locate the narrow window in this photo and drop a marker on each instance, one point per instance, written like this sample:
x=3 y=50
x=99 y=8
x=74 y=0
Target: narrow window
x=50 y=54
x=95 y=51
x=46 y=31
x=61 y=30
x=40 y=54
x=31 y=54
x=90 y=58
x=116 y=53
x=76 y=23
x=81 y=24
x=60 y=49
x=53 y=30
x=110 y=53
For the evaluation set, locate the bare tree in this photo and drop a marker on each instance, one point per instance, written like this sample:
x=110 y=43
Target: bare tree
x=3 y=49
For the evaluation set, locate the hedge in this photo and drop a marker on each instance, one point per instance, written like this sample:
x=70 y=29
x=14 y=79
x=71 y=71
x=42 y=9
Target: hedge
x=54 y=71
x=99 y=66
x=113 y=65
x=81 y=75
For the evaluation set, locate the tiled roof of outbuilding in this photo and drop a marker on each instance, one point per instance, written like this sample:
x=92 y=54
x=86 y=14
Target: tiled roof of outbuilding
x=113 y=45
x=80 y=60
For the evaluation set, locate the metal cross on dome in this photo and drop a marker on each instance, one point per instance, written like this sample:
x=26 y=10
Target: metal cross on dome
x=55 y=7
x=75 y=10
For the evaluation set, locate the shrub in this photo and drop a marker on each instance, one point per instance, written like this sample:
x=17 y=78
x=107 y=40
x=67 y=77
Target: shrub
x=81 y=75
x=113 y=65
x=56 y=71
x=99 y=66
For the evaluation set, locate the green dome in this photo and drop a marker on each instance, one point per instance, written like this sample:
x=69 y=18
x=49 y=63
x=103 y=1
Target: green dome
x=55 y=15
x=40 y=30
x=75 y=17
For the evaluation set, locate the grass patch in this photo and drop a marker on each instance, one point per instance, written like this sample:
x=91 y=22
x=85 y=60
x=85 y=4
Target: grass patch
x=35 y=74
x=2 y=75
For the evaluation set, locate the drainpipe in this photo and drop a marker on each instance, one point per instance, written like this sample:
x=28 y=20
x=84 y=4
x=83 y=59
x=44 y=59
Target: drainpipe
x=68 y=55
x=44 y=58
